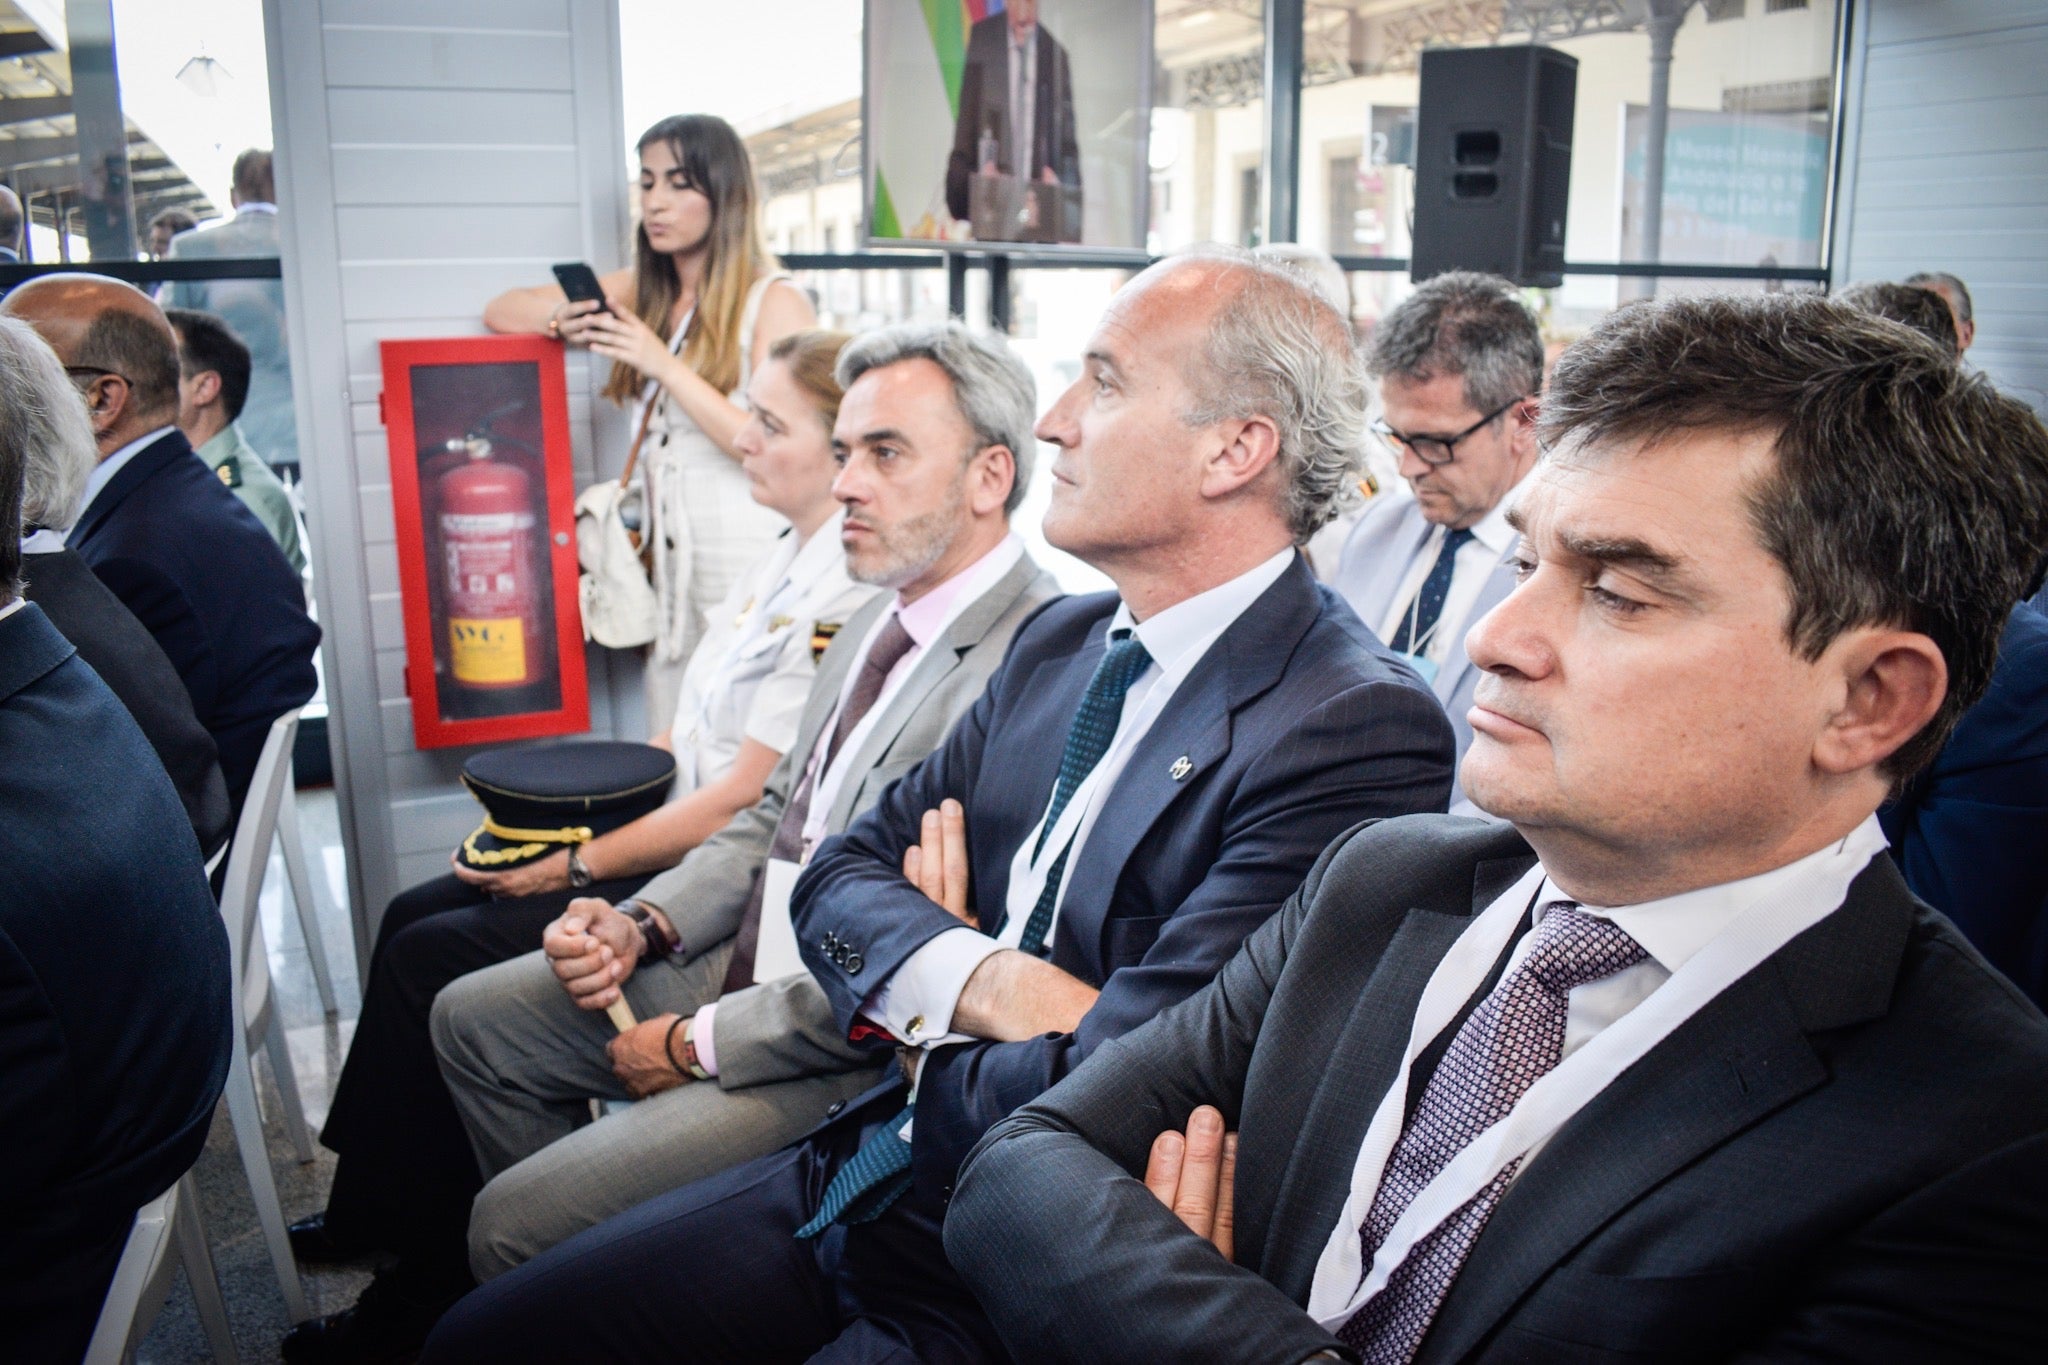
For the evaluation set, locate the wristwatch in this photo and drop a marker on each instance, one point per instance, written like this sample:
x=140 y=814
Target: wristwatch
x=579 y=871
x=657 y=944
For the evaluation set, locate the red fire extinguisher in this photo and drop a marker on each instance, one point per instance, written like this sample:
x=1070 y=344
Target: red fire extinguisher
x=494 y=600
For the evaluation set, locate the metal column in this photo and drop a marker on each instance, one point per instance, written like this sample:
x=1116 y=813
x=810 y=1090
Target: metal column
x=1283 y=117
x=108 y=204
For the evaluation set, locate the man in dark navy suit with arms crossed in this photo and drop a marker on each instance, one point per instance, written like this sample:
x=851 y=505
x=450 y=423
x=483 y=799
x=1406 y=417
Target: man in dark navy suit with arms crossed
x=1147 y=777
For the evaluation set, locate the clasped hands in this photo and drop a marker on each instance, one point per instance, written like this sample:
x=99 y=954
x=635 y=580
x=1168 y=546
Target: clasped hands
x=1195 y=1175
x=593 y=949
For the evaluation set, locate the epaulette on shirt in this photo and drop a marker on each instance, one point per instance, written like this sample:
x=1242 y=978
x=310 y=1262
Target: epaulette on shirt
x=821 y=638
x=230 y=471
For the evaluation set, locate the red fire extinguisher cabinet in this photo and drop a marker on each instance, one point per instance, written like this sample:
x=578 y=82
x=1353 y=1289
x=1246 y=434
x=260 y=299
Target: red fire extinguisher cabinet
x=484 y=502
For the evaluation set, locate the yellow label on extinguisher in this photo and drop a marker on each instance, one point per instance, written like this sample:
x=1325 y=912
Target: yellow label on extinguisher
x=487 y=652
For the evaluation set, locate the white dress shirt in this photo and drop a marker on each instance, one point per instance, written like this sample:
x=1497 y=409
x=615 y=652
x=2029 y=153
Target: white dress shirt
x=103 y=473
x=916 y=1003
x=1477 y=557
x=12 y=605
x=1023 y=102
x=1698 y=944
x=924 y=621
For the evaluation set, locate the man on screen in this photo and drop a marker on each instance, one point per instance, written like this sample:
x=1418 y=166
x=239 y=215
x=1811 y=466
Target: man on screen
x=1017 y=78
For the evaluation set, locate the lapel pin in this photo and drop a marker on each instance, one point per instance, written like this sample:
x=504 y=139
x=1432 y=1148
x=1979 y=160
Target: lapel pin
x=1180 y=769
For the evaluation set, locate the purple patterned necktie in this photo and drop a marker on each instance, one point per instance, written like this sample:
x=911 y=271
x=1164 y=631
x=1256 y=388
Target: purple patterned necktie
x=1513 y=1037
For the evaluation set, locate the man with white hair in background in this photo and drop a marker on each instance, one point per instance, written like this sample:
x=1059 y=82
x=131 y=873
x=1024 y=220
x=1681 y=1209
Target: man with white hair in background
x=1014 y=903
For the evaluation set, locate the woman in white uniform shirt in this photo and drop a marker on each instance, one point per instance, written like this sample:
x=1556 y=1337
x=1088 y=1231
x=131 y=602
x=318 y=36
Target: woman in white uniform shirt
x=391 y=1119
x=686 y=326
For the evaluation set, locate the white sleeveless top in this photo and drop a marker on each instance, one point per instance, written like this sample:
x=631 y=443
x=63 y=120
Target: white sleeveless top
x=707 y=527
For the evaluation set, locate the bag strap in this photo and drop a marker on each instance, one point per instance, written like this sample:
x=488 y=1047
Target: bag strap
x=633 y=455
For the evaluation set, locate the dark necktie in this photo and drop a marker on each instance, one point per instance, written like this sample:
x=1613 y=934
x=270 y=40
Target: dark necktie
x=1428 y=605
x=1514 y=1037
x=1102 y=707
x=890 y=645
x=879 y=1173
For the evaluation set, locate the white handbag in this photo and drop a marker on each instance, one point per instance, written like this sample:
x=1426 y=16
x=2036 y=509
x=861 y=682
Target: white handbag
x=619 y=607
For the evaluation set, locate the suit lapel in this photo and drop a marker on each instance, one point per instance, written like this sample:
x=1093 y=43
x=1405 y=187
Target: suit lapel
x=1243 y=663
x=1499 y=583
x=1721 y=1072
x=1365 y=1057
x=937 y=663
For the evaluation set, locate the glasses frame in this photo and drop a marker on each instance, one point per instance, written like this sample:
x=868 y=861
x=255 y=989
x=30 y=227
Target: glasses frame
x=1398 y=441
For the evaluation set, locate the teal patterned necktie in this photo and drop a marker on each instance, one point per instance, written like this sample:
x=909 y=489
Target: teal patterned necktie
x=879 y=1173
x=1102 y=707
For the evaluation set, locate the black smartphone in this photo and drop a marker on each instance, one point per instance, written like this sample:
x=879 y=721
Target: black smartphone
x=579 y=282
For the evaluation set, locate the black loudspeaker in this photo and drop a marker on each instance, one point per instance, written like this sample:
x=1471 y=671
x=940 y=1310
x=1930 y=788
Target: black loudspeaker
x=1493 y=162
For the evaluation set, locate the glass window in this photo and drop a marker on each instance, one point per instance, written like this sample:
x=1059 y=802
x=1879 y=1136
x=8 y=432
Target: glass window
x=1745 y=178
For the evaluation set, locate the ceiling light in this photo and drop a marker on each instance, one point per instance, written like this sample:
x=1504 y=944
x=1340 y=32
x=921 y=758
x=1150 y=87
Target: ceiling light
x=203 y=76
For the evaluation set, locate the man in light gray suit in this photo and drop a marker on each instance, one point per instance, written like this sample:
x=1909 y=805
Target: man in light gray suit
x=253 y=309
x=737 y=1053
x=1459 y=366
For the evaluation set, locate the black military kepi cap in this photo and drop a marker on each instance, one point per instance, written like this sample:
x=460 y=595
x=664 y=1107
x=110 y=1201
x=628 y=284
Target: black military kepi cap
x=541 y=800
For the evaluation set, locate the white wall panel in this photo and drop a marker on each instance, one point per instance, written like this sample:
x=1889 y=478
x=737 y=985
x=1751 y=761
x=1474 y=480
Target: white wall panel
x=457 y=176
x=431 y=155
x=1946 y=167
x=445 y=116
x=469 y=59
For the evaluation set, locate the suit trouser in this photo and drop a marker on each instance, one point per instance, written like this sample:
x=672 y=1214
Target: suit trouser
x=406 y=1174
x=714 y=1272
x=522 y=1063
x=52 y=1284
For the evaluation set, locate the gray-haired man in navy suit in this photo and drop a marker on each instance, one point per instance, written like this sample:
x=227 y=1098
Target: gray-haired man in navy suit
x=1145 y=779
x=1459 y=364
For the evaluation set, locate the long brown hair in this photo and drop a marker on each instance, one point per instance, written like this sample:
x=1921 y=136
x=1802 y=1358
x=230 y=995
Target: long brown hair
x=714 y=161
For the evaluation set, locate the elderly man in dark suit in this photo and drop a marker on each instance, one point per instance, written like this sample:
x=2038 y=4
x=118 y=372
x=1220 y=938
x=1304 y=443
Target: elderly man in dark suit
x=41 y=419
x=175 y=546
x=1144 y=781
x=1673 y=1066
x=114 y=1024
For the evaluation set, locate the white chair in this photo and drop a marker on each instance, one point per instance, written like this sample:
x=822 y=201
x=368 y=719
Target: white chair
x=303 y=892
x=257 y=1024
x=142 y=1280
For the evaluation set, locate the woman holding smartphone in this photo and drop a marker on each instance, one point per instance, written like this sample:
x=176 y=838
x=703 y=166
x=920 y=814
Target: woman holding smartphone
x=685 y=327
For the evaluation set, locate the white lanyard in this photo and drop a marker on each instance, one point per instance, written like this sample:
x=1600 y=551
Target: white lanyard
x=1760 y=928
x=1028 y=871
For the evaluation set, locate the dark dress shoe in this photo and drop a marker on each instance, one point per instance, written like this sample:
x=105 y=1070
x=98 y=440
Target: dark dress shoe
x=385 y=1326
x=315 y=1244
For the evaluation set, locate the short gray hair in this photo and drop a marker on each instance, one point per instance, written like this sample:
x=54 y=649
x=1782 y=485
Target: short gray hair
x=43 y=428
x=1940 y=280
x=1278 y=349
x=1463 y=323
x=992 y=389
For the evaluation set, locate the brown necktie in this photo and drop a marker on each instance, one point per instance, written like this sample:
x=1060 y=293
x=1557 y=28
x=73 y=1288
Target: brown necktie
x=888 y=649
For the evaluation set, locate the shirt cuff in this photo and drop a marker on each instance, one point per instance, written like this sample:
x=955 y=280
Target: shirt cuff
x=916 y=1003
x=701 y=1035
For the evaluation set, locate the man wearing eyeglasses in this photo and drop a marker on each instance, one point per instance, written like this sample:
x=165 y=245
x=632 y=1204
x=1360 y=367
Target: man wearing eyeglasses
x=1459 y=365
x=165 y=535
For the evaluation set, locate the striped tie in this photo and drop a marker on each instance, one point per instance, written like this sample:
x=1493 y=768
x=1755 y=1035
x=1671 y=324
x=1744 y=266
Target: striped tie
x=879 y=1173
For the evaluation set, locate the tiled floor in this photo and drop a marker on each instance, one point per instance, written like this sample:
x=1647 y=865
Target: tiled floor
x=318 y=1043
